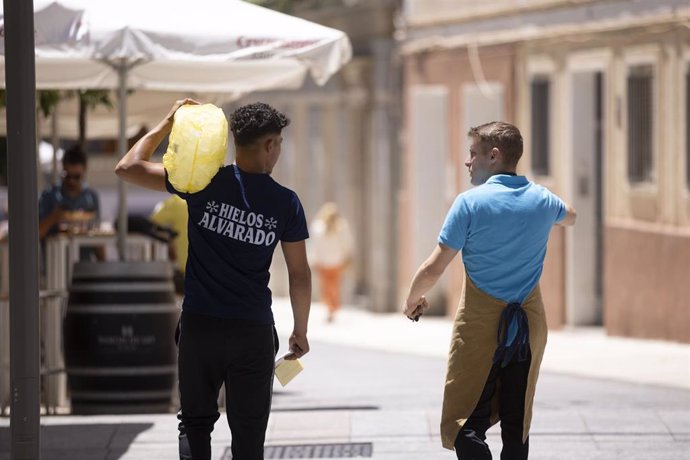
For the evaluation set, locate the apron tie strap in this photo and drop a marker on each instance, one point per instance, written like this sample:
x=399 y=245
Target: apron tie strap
x=513 y=335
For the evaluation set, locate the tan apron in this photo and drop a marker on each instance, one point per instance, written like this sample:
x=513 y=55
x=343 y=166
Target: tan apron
x=471 y=354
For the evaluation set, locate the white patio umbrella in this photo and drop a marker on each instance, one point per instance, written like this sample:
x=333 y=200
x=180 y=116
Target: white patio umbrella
x=202 y=46
x=218 y=46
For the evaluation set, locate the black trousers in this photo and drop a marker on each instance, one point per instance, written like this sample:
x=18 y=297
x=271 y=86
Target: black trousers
x=511 y=384
x=241 y=354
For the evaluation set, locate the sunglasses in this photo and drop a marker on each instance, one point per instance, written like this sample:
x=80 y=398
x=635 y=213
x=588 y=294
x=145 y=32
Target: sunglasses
x=75 y=177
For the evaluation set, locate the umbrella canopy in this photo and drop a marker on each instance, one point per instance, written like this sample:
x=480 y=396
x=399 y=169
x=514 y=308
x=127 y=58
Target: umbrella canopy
x=227 y=46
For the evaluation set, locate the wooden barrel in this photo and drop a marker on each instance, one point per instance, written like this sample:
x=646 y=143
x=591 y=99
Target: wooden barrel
x=119 y=341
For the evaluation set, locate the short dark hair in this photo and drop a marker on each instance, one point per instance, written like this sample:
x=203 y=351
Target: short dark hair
x=502 y=135
x=75 y=155
x=252 y=121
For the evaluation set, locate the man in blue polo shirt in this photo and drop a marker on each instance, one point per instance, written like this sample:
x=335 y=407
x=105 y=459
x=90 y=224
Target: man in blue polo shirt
x=71 y=203
x=502 y=227
x=226 y=327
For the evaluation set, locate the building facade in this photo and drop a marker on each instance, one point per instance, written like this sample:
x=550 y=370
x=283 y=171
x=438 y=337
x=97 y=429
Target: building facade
x=600 y=91
x=342 y=146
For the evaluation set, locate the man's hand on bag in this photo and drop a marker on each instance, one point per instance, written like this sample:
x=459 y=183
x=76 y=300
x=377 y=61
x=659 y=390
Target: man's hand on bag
x=179 y=103
x=414 y=308
x=299 y=346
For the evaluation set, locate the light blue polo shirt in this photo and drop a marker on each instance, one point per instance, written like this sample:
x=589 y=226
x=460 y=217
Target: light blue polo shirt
x=502 y=227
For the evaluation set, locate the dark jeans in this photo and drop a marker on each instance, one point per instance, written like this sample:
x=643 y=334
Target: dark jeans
x=241 y=354
x=511 y=383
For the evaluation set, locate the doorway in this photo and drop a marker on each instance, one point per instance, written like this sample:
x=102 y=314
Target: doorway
x=585 y=261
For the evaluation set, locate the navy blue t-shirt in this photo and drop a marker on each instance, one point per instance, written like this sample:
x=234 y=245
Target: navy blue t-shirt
x=235 y=224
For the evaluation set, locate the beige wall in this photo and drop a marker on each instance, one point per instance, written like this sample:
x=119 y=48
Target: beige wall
x=647 y=273
x=647 y=282
x=645 y=224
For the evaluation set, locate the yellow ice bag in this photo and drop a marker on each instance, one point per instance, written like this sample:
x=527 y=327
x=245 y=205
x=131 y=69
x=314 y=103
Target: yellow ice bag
x=197 y=146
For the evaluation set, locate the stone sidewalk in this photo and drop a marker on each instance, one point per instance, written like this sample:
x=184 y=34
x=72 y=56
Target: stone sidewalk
x=586 y=352
x=377 y=380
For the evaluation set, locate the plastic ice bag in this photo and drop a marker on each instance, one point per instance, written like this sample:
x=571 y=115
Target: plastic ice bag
x=197 y=147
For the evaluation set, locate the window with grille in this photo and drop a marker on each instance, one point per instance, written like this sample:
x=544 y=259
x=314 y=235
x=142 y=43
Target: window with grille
x=540 y=126
x=640 y=123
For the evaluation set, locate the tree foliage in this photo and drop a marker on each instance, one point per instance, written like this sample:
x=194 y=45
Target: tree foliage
x=47 y=101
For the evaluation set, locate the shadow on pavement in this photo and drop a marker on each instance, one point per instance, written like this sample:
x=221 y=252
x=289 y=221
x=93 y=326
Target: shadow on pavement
x=81 y=441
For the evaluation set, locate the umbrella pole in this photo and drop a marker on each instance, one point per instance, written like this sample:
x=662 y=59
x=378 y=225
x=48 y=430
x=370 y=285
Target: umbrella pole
x=122 y=147
x=55 y=139
x=20 y=76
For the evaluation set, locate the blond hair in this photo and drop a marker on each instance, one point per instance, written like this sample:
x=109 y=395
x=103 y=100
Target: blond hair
x=330 y=216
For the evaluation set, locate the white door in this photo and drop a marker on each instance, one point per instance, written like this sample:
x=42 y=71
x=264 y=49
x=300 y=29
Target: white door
x=429 y=155
x=585 y=253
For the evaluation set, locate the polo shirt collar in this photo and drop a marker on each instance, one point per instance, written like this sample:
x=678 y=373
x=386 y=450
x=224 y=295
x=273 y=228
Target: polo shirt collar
x=507 y=179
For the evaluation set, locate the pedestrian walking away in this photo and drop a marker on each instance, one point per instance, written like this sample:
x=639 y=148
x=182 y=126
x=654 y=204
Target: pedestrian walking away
x=226 y=332
x=499 y=334
x=331 y=254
